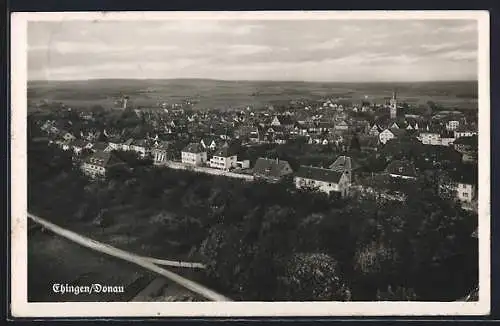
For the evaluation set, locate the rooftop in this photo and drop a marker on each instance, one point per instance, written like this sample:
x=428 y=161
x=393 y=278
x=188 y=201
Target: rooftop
x=320 y=174
x=194 y=148
x=402 y=168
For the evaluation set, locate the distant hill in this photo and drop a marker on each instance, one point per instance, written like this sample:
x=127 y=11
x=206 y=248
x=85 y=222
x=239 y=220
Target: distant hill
x=208 y=93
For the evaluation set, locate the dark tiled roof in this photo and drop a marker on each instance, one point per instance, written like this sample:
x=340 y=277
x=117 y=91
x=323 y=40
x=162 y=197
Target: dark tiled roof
x=466 y=175
x=471 y=141
x=398 y=132
x=100 y=146
x=271 y=168
x=319 y=174
x=225 y=151
x=208 y=141
x=194 y=148
x=343 y=163
x=285 y=120
x=103 y=159
x=401 y=168
x=79 y=143
x=128 y=141
x=139 y=142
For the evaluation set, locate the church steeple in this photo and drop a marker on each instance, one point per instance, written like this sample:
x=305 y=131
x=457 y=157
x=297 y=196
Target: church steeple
x=394 y=105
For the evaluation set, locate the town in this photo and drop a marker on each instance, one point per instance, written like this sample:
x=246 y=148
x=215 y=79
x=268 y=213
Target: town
x=333 y=145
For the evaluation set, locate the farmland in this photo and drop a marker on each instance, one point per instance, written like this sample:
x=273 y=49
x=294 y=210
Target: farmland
x=206 y=93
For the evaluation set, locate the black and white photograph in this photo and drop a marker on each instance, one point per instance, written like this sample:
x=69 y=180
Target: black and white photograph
x=250 y=164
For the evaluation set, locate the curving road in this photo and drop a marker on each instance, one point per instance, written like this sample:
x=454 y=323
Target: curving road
x=146 y=262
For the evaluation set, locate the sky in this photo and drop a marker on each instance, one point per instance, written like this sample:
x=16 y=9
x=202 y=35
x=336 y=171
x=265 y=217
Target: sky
x=302 y=50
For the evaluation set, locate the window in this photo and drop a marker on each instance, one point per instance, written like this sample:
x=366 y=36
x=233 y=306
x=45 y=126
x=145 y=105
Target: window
x=465 y=194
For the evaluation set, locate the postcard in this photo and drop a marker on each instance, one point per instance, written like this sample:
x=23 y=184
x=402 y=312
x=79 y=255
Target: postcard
x=250 y=164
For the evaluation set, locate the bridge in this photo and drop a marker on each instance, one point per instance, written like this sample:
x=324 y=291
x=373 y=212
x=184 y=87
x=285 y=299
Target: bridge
x=149 y=263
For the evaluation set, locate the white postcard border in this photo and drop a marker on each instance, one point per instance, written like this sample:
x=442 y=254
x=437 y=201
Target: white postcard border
x=21 y=308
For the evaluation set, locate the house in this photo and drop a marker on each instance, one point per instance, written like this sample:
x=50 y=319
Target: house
x=389 y=134
x=430 y=138
x=464 y=186
x=344 y=164
x=464 y=132
x=394 y=125
x=194 y=154
x=209 y=143
x=402 y=170
x=115 y=144
x=159 y=153
x=224 y=159
x=255 y=135
x=99 y=163
x=68 y=136
x=452 y=125
x=125 y=146
x=324 y=180
x=271 y=170
x=341 y=126
x=140 y=147
x=101 y=147
x=282 y=121
x=468 y=147
x=412 y=126
x=79 y=145
x=375 y=130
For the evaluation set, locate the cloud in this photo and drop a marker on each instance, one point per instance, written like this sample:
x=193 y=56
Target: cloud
x=326 y=49
x=460 y=55
x=97 y=47
x=248 y=49
x=329 y=44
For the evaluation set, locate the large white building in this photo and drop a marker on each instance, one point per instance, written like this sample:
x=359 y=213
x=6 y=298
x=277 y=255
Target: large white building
x=452 y=125
x=194 y=154
x=224 y=159
x=323 y=180
x=436 y=139
x=99 y=163
x=463 y=185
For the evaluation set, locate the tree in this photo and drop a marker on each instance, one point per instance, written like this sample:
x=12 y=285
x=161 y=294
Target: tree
x=312 y=277
x=355 y=146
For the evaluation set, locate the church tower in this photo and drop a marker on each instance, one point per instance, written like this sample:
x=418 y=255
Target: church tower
x=394 y=106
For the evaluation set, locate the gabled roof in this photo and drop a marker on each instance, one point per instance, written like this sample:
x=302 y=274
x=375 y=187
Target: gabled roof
x=128 y=141
x=399 y=132
x=100 y=146
x=193 y=148
x=320 y=174
x=271 y=168
x=225 y=151
x=402 y=168
x=465 y=175
x=285 y=119
x=102 y=159
x=469 y=140
x=343 y=163
x=139 y=143
x=79 y=143
x=207 y=140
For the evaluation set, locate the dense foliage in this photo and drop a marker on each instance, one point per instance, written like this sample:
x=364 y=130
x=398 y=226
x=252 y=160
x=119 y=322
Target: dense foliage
x=268 y=241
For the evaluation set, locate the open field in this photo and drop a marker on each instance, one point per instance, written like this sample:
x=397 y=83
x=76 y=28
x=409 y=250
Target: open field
x=205 y=93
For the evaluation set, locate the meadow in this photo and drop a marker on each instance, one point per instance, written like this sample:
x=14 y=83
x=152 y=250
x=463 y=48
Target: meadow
x=210 y=94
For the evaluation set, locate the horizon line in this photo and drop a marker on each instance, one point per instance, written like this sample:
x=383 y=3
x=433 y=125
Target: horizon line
x=258 y=80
